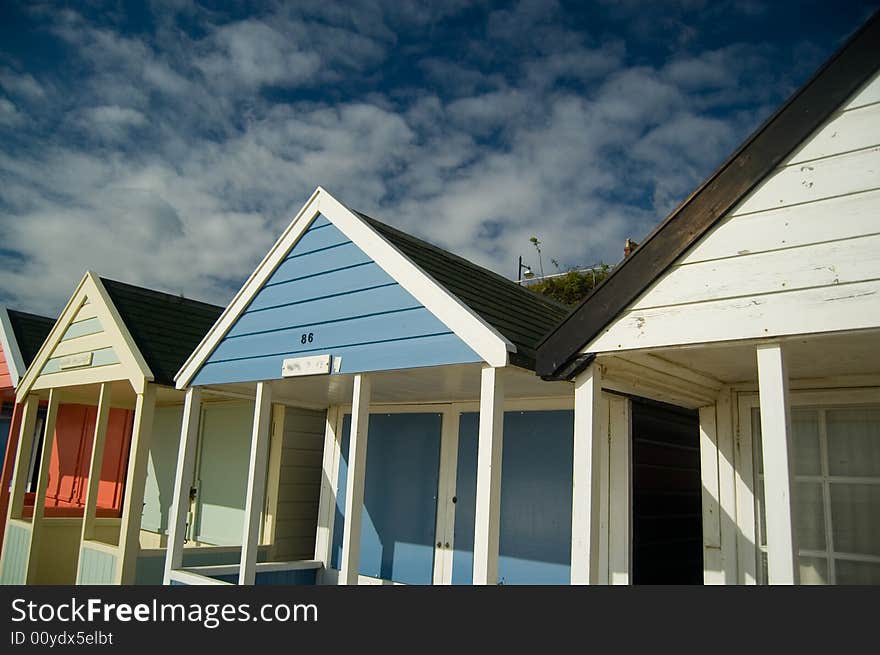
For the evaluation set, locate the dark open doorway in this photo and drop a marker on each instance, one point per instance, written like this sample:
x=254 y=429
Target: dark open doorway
x=667 y=535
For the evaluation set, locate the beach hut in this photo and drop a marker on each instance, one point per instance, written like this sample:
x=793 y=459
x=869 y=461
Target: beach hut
x=103 y=460
x=385 y=373
x=752 y=313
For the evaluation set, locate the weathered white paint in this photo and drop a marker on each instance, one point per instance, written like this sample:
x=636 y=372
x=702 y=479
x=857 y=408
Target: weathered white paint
x=95 y=464
x=776 y=440
x=846 y=131
x=471 y=328
x=256 y=485
x=354 y=490
x=135 y=481
x=186 y=458
x=825 y=309
x=818 y=265
x=789 y=227
x=799 y=254
x=487 y=515
x=590 y=429
x=868 y=94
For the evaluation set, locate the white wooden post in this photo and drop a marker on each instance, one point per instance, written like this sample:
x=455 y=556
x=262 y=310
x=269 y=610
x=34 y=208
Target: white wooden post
x=42 y=484
x=90 y=511
x=135 y=481
x=256 y=487
x=619 y=497
x=26 y=438
x=711 y=497
x=727 y=483
x=186 y=457
x=590 y=429
x=324 y=532
x=782 y=548
x=349 y=567
x=487 y=515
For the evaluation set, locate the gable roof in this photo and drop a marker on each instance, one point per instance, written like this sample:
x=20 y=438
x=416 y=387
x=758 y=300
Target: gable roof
x=474 y=303
x=22 y=334
x=518 y=313
x=848 y=69
x=166 y=328
x=30 y=332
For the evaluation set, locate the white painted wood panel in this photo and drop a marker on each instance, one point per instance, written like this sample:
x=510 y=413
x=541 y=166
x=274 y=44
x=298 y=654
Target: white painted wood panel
x=850 y=130
x=869 y=93
x=825 y=220
x=807 y=182
x=827 y=309
x=819 y=265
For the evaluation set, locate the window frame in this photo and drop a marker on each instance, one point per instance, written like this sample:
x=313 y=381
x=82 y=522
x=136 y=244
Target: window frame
x=749 y=511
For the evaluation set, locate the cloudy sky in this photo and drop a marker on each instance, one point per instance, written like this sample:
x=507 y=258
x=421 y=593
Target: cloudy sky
x=168 y=143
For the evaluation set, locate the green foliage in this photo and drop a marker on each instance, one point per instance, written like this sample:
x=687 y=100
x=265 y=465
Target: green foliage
x=573 y=286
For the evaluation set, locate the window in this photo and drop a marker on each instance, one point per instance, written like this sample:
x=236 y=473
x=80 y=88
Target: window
x=836 y=461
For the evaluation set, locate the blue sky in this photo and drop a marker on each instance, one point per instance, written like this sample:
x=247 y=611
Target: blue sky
x=168 y=143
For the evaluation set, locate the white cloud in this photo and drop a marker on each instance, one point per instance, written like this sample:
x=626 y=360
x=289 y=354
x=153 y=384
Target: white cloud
x=170 y=164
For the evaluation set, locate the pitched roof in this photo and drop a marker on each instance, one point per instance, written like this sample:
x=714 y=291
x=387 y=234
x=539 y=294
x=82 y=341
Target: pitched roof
x=166 y=328
x=30 y=332
x=519 y=314
x=850 y=67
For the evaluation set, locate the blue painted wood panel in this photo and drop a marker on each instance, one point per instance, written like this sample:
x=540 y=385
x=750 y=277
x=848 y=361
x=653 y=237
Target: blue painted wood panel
x=15 y=554
x=400 y=497
x=100 y=357
x=98 y=567
x=82 y=328
x=536 y=474
x=328 y=288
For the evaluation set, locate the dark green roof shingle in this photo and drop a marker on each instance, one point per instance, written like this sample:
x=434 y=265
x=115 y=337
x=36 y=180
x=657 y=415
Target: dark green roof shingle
x=30 y=331
x=521 y=315
x=165 y=327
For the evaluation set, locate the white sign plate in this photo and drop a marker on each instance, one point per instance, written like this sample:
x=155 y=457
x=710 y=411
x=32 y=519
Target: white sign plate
x=298 y=366
x=75 y=361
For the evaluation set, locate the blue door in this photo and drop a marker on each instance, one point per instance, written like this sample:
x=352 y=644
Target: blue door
x=536 y=474
x=400 y=497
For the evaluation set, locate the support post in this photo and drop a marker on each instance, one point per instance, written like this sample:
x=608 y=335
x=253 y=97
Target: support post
x=324 y=533
x=26 y=439
x=590 y=428
x=9 y=466
x=186 y=457
x=256 y=487
x=349 y=567
x=782 y=548
x=133 y=507
x=90 y=511
x=42 y=485
x=487 y=515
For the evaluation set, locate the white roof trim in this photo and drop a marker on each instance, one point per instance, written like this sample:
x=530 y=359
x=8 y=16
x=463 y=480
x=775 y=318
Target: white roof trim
x=129 y=355
x=14 y=360
x=482 y=338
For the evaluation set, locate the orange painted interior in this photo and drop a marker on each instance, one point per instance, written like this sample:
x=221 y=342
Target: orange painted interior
x=71 y=454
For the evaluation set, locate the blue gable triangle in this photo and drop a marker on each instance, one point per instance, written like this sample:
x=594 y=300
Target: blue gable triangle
x=329 y=297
